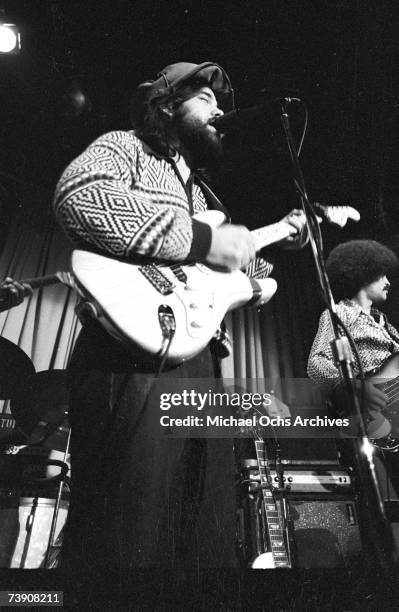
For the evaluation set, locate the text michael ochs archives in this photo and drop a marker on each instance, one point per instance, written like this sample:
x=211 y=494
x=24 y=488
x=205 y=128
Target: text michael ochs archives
x=248 y=410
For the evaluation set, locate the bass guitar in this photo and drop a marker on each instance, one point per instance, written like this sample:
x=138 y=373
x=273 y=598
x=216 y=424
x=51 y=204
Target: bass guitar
x=387 y=379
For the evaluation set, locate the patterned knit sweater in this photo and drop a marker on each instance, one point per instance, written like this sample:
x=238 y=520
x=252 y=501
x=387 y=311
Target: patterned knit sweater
x=121 y=198
x=375 y=338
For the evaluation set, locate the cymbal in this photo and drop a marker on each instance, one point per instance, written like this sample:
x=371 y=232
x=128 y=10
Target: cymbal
x=15 y=368
x=41 y=409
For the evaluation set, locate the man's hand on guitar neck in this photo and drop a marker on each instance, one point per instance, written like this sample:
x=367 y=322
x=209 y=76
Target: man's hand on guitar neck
x=232 y=247
x=296 y=222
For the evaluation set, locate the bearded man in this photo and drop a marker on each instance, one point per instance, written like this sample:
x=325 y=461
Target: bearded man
x=140 y=500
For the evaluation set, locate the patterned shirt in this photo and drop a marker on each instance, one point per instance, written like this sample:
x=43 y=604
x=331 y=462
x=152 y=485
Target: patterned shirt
x=375 y=338
x=121 y=198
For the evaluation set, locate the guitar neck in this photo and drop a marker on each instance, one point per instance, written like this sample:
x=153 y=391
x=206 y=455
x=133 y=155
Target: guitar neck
x=270 y=234
x=272 y=514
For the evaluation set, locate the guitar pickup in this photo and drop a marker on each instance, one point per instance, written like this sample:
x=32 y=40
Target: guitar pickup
x=157 y=279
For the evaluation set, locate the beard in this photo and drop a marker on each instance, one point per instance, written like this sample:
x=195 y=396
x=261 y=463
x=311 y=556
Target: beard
x=200 y=142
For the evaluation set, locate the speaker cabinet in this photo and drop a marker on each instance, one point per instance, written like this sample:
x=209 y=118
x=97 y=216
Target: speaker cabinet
x=325 y=532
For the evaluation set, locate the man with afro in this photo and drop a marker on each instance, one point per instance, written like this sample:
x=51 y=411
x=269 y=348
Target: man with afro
x=358 y=271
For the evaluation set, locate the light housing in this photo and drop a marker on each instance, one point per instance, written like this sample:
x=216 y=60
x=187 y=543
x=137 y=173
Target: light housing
x=10 y=38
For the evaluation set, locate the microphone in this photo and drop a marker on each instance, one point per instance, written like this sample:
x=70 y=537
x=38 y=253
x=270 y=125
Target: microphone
x=239 y=118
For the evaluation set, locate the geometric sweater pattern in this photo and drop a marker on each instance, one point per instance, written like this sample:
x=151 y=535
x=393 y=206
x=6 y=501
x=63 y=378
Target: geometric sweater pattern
x=121 y=198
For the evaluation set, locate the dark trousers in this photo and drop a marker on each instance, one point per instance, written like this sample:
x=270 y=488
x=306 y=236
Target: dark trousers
x=139 y=499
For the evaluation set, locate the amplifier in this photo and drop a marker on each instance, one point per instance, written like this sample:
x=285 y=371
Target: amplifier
x=304 y=451
x=322 y=517
x=326 y=532
x=298 y=479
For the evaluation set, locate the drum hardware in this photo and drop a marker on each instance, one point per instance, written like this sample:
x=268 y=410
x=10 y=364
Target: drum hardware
x=40 y=409
x=52 y=545
x=28 y=529
x=39 y=405
x=26 y=502
x=25 y=525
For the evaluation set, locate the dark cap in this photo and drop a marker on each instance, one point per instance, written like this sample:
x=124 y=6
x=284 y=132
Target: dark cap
x=174 y=76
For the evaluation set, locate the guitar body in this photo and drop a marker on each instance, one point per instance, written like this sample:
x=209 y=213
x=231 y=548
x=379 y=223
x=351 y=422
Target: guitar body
x=264 y=561
x=135 y=302
x=129 y=305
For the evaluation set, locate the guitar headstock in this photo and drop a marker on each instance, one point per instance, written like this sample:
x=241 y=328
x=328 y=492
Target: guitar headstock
x=338 y=215
x=272 y=408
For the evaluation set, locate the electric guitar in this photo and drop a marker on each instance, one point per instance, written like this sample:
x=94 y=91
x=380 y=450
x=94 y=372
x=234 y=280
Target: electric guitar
x=172 y=311
x=272 y=534
x=169 y=311
x=278 y=556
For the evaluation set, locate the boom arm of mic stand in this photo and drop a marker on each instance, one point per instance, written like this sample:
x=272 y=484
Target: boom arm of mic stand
x=340 y=344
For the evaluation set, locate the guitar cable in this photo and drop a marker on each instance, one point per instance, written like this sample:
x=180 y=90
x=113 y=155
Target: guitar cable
x=165 y=355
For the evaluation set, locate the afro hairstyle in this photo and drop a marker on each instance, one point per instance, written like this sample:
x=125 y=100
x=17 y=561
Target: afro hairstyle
x=355 y=264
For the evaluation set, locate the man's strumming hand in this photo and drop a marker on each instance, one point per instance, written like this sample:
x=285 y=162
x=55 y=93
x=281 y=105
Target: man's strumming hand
x=232 y=247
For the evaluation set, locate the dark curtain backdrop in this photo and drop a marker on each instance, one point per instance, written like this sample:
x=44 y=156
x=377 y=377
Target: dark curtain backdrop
x=45 y=325
x=341 y=57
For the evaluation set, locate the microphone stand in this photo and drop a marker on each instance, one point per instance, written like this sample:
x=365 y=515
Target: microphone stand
x=342 y=352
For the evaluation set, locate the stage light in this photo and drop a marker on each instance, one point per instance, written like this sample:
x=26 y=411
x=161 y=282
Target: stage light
x=10 y=40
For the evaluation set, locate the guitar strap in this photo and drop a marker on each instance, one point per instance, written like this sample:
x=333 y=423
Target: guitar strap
x=221 y=343
x=258 y=267
x=211 y=198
